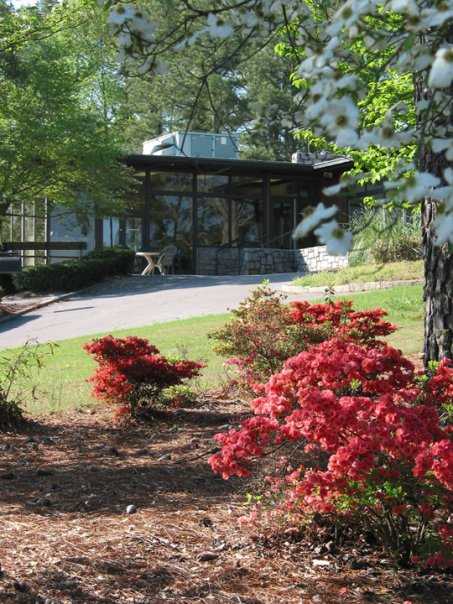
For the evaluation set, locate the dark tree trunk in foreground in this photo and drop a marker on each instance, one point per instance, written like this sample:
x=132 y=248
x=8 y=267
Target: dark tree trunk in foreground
x=438 y=294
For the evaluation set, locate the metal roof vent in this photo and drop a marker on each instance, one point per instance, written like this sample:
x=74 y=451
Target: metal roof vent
x=306 y=158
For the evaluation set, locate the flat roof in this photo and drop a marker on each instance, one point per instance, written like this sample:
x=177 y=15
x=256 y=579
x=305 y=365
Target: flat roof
x=235 y=166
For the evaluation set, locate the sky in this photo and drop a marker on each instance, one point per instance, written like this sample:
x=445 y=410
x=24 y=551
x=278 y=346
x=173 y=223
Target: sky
x=19 y=3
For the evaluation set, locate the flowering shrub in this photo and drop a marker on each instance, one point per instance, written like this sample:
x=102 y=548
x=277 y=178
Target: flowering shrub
x=265 y=331
x=377 y=444
x=16 y=386
x=132 y=373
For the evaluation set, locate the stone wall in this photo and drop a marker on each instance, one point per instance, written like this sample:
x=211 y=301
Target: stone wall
x=316 y=259
x=262 y=261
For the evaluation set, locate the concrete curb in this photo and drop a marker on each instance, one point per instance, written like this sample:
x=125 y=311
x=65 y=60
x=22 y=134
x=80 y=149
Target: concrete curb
x=28 y=309
x=349 y=287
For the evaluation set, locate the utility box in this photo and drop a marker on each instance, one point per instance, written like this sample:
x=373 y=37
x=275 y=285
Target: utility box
x=194 y=144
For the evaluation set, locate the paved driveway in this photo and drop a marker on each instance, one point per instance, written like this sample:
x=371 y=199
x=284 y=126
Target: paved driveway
x=132 y=302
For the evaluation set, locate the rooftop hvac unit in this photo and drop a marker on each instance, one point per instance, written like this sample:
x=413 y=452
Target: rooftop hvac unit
x=194 y=144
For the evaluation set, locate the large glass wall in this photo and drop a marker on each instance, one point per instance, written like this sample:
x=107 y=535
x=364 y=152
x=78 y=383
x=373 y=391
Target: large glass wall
x=288 y=197
x=25 y=222
x=192 y=210
x=170 y=222
x=230 y=210
x=247 y=222
x=213 y=221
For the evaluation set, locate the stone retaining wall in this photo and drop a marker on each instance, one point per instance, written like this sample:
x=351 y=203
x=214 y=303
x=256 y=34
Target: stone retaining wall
x=262 y=261
x=316 y=259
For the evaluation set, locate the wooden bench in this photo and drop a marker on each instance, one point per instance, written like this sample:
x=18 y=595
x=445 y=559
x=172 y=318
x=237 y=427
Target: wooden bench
x=44 y=246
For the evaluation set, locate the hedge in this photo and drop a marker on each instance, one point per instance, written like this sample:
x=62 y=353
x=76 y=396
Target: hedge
x=75 y=274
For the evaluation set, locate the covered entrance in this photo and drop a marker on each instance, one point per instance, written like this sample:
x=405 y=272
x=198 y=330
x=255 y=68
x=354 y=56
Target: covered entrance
x=225 y=216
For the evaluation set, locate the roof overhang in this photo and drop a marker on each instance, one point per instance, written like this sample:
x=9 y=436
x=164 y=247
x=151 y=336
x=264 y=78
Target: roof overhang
x=249 y=167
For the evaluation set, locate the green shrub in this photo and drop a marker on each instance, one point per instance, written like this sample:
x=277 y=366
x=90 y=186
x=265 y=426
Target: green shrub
x=7 y=286
x=383 y=236
x=179 y=396
x=75 y=274
x=15 y=372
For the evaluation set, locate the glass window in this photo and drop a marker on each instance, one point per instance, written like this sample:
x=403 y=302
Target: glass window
x=5 y=229
x=247 y=222
x=134 y=233
x=172 y=181
x=247 y=186
x=213 y=219
x=110 y=231
x=283 y=188
x=282 y=223
x=171 y=223
x=215 y=184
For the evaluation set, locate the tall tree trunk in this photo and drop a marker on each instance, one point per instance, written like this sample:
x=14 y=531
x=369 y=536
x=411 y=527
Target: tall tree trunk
x=438 y=293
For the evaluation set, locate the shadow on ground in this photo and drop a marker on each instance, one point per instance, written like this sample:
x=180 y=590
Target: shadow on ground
x=100 y=469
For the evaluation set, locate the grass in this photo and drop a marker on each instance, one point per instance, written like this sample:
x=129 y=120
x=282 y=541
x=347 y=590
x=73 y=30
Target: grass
x=364 y=273
x=404 y=306
x=62 y=385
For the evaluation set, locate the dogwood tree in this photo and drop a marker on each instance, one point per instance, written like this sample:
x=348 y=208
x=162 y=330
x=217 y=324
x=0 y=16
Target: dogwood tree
x=336 y=41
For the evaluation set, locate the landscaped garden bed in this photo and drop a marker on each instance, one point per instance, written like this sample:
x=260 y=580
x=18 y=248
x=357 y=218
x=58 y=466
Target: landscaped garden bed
x=364 y=273
x=119 y=504
x=65 y=488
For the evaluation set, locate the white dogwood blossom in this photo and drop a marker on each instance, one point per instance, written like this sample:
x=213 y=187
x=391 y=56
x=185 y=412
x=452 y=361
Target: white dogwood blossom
x=407 y=36
x=441 y=74
x=337 y=241
x=218 y=28
x=320 y=213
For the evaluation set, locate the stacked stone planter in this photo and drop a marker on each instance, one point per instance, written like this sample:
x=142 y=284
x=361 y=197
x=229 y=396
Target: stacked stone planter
x=262 y=261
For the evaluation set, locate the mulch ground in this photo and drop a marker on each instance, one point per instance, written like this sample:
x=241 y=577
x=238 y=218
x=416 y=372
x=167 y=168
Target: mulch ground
x=65 y=536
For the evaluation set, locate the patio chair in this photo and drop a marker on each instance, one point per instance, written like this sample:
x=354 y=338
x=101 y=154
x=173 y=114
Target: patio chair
x=166 y=261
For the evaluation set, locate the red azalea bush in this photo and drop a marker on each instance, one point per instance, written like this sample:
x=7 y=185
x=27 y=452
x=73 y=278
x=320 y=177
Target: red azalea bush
x=265 y=331
x=132 y=373
x=377 y=442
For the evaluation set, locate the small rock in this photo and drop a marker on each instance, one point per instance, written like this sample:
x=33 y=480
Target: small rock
x=5 y=447
x=320 y=549
x=330 y=546
x=131 y=509
x=207 y=556
x=164 y=457
x=320 y=563
x=206 y=521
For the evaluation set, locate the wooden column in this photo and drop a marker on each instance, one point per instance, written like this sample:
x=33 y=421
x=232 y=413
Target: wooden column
x=146 y=211
x=194 y=223
x=267 y=210
x=98 y=233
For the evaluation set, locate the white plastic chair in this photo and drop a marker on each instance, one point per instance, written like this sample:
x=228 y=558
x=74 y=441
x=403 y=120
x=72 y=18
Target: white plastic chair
x=166 y=261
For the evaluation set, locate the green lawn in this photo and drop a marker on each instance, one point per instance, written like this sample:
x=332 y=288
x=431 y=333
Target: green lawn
x=364 y=273
x=62 y=382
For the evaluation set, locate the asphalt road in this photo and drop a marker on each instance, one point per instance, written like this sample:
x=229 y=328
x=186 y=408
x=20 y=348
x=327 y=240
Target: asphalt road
x=132 y=302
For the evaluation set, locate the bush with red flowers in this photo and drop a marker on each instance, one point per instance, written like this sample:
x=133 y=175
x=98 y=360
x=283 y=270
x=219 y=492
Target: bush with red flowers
x=132 y=373
x=376 y=436
x=265 y=331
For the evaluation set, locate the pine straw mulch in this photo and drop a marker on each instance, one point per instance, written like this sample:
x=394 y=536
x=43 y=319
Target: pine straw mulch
x=65 y=536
